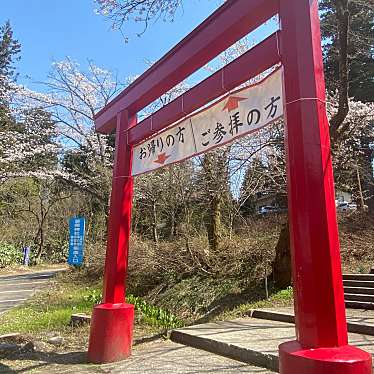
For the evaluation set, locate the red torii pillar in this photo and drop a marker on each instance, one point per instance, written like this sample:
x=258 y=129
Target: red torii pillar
x=112 y=321
x=322 y=343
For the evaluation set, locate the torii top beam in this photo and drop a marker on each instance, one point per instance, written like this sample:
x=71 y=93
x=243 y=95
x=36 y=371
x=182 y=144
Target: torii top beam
x=224 y=27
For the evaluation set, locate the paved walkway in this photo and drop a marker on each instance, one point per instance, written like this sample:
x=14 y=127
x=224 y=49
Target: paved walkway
x=361 y=316
x=15 y=289
x=353 y=315
x=156 y=358
x=251 y=340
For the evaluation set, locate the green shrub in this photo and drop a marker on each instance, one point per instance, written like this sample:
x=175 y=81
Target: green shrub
x=153 y=315
x=94 y=297
x=10 y=255
x=56 y=251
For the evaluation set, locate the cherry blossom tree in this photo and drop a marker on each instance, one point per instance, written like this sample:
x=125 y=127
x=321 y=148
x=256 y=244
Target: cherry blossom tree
x=354 y=152
x=140 y=11
x=72 y=96
x=28 y=144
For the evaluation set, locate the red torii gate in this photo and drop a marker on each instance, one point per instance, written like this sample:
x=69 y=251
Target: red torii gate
x=322 y=344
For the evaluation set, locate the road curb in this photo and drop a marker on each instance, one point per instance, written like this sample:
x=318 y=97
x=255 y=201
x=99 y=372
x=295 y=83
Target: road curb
x=272 y=316
x=268 y=361
x=32 y=273
x=353 y=327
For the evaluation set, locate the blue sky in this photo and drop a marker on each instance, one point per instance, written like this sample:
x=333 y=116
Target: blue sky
x=49 y=30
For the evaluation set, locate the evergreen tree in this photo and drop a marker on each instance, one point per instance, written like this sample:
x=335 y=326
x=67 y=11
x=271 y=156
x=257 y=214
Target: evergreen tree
x=360 y=46
x=348 y=32
x=9 y=53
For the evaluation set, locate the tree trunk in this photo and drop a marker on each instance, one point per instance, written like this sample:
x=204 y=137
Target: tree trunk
x=342 y=16
x=38 y=241
x=361 y=202
x=281 y=266
x=154 y=223
x=41 y=244
x=370 y=202
x=40 y=234
x=216 y=178
x=173 y=229
x=368 y=177
x=214 y=224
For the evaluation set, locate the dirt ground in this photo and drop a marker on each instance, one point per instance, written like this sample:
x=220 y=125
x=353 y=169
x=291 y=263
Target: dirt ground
x=20 y=269
x=36 y=352
x=158 y=357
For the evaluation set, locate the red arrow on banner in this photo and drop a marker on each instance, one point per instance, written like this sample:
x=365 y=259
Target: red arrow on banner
x=161 y=158
x=233 y=103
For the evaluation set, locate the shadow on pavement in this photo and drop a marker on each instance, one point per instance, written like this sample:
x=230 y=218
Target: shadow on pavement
x=159 y=358
x=5 y=369
x=28 y=276
x=44 y=359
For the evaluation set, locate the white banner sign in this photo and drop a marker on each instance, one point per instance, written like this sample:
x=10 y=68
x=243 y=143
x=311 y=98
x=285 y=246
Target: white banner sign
x=238 y=114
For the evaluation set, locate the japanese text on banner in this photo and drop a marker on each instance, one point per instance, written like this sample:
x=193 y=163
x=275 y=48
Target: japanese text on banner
x=238 y=114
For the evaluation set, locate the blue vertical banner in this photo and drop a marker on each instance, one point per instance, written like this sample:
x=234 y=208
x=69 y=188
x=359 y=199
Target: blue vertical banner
x=76 y=242
x=26 y=256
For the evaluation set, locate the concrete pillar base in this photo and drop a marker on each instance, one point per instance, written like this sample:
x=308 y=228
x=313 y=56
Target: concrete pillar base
x=340 y=360
x=111 y=333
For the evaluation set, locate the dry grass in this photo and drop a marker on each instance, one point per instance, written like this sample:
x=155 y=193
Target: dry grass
x=247 y=254
x=357 y=242
x=187 y=278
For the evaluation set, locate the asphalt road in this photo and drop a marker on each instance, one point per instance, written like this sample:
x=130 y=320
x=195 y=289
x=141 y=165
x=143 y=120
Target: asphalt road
x=15 y=289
